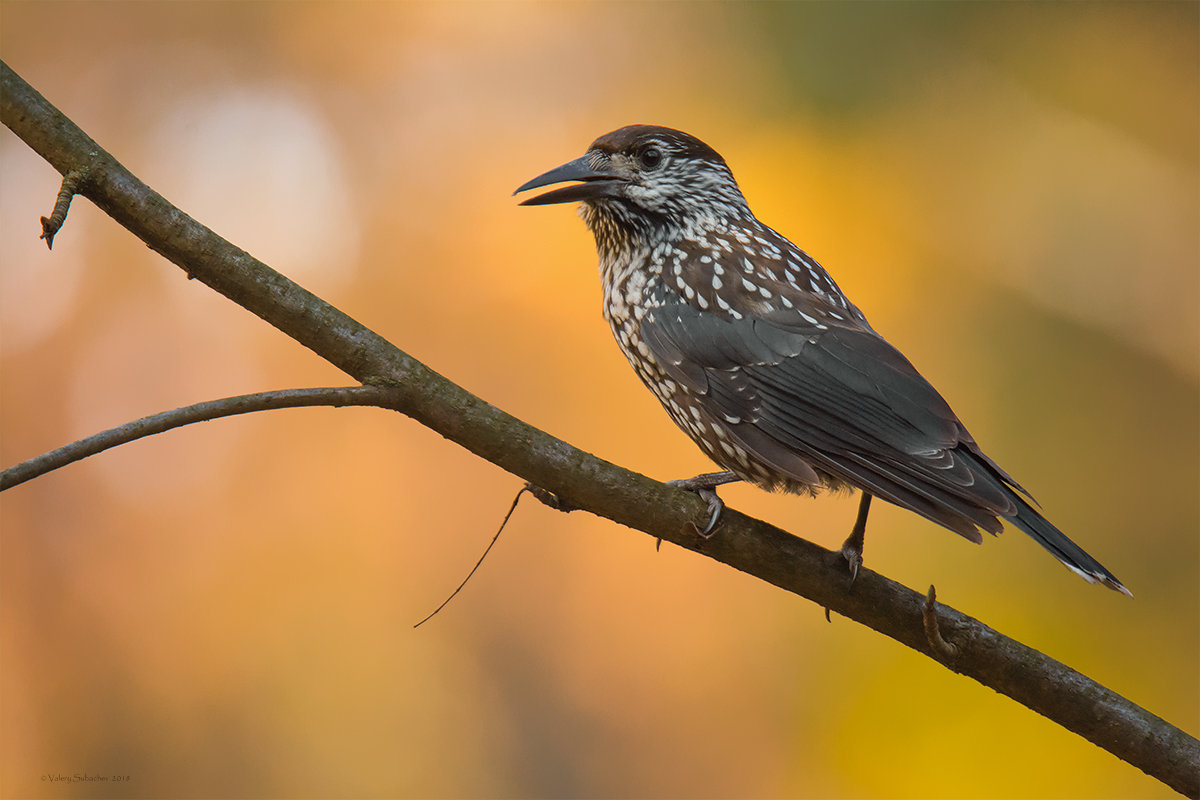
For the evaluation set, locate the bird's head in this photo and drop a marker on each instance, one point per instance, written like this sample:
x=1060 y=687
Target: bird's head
x=642 y=179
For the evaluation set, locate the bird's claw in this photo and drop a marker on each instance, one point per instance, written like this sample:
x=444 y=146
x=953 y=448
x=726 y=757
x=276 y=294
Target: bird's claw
x=703 y=485
x=715 y=506
x=853 y=560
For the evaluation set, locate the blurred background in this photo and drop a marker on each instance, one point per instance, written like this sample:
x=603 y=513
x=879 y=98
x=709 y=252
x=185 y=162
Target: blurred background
x=1008 y=190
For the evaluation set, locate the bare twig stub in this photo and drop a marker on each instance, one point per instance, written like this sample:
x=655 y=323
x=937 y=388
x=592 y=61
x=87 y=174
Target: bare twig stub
x=62 y=204
x=549 y=498
x=933 y=632
x=1060 y=693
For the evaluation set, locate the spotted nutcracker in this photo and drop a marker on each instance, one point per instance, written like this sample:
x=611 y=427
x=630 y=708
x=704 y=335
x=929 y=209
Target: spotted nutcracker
x=758 y=356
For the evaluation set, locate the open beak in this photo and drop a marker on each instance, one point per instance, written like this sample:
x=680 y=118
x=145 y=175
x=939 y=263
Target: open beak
x=594 y=183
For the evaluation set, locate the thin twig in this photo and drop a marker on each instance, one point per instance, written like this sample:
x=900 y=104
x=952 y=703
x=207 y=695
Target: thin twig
x=478 y=563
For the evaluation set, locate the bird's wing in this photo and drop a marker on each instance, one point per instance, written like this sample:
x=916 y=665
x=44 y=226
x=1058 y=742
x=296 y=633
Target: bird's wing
x=840 y=396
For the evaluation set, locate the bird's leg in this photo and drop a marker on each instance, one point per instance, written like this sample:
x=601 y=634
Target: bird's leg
x=852 y=548
x=705 y=486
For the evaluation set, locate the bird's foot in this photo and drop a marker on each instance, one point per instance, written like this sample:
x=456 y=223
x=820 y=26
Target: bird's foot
x=852 y=552
x=705 y=486
x=852 y=548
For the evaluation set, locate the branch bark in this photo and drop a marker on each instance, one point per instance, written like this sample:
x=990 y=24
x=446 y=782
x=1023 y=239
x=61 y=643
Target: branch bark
x=583 y=481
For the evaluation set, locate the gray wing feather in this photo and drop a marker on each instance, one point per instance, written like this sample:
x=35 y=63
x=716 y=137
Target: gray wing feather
x=842 y=399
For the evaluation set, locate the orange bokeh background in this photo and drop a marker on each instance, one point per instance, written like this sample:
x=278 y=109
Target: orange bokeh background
x=1009 y=191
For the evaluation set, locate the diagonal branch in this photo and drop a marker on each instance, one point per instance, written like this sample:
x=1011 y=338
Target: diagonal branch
x=580 y=480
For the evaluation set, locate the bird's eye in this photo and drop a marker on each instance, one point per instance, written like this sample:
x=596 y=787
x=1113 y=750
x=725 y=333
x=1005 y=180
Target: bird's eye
x=650 y=158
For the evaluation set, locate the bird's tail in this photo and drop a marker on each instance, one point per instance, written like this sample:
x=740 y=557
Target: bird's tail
x=1070 y=554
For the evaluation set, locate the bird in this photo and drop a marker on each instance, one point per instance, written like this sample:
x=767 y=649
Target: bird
x=759 y=357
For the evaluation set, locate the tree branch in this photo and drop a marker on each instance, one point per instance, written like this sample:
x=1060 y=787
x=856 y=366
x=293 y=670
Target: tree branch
x=580 y=480
x=177 y=418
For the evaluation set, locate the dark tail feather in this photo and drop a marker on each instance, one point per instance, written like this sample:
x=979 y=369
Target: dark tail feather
x=1070 y=554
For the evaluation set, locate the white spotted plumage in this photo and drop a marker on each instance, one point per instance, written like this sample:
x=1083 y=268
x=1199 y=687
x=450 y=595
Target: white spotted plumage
x=758 y=356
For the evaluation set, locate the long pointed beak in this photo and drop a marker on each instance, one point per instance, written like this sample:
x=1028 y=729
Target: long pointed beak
x=595 y=183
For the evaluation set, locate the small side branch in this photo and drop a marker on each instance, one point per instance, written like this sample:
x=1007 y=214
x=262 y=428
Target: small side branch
x=200 y=412
x=70 y=186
